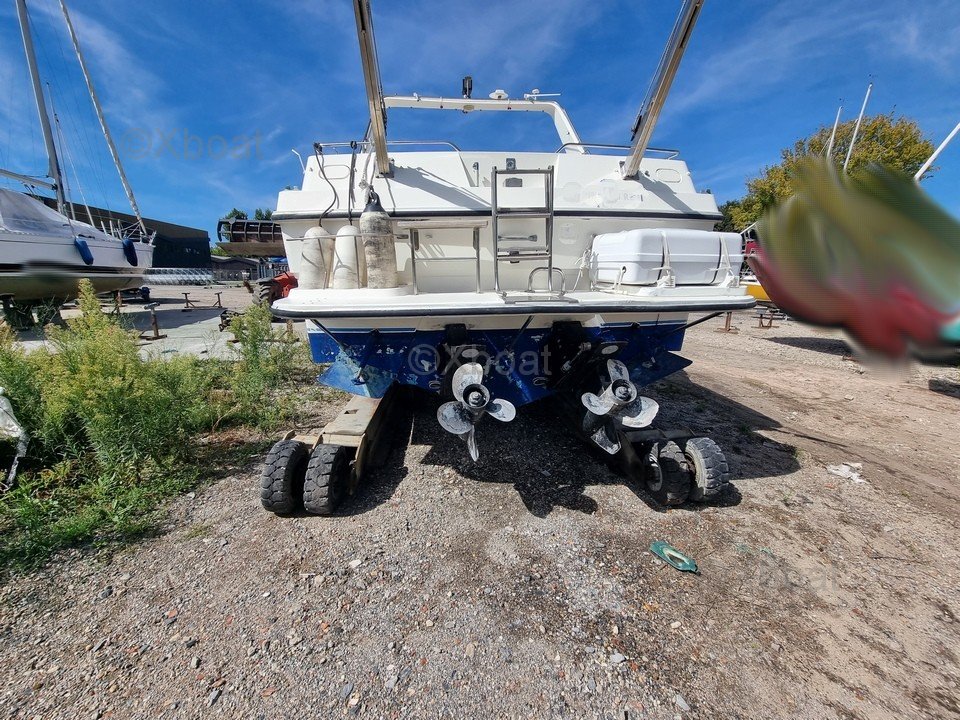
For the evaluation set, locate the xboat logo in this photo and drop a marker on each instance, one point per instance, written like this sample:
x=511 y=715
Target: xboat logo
x=424 y=360
x=180 y=143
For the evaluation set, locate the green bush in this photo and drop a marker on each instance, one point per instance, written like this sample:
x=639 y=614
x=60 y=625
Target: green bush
x=111 y=431
x=267 y=363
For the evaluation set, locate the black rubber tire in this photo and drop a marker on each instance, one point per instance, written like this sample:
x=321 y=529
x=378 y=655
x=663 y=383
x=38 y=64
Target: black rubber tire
x=281 y=483
x=711 y=473
x=327 y=478
x=267 y=293
x=668 y=477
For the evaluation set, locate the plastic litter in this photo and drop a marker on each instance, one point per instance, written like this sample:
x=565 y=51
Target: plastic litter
x=673 y=557
x=10 y=428
x=848 y=471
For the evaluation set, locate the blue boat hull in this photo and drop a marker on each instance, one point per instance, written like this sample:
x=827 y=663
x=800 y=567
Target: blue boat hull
x=520 y=365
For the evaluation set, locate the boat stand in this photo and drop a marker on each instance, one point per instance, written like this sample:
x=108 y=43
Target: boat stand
x=189 y=304
x=318 y=471
x=154 y=324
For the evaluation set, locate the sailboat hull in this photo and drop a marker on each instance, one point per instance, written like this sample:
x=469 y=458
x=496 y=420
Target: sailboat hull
x=42 y=254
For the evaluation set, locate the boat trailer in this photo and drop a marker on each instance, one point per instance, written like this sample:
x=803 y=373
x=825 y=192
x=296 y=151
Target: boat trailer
x=316 y=472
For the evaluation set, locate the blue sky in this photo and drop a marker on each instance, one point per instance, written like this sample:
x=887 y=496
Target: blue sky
x=208 y=98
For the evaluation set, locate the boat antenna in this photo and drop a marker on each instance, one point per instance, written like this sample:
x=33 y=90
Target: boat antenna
x=936 y=153
x=103 y=122
x=656 y=96
x=833 y=135
x=856 y=128
x=377 y=131
x=53 y=171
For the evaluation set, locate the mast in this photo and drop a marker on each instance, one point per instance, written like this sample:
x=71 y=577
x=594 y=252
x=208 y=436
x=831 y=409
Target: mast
x=660 y=86
x=54 y=163
x=936 y=153
x=103 y=121
x=833 y=135
x=856 y=128
x=371 y=77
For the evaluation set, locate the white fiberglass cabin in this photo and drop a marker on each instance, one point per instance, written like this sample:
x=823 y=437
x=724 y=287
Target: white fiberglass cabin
x=539 y=272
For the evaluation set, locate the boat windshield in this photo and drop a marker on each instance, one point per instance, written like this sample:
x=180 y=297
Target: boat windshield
x=481 y=124
x=522 y=132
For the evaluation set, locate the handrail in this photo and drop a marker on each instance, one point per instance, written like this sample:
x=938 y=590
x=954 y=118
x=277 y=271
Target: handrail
x=349 y=144
x=669 y=152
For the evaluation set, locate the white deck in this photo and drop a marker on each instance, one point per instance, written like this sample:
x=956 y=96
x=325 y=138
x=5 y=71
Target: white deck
x=400 y=309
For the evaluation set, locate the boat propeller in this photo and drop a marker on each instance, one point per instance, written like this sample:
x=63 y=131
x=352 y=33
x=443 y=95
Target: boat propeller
x=473 y=400
x=618 y=401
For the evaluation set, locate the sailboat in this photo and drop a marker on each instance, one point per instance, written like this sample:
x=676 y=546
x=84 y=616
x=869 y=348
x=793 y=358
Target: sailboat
x=497 y=279
x=44 y=253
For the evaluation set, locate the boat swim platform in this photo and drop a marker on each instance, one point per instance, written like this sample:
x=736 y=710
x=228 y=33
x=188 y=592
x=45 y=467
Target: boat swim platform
x=394 y=304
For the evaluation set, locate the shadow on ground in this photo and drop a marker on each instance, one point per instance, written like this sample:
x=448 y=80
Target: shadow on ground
x=549 y=466
x=944 y=387
x=168 y=318
x=828 y=346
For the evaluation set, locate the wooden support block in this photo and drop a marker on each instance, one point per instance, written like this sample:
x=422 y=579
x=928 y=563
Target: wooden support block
x=352 y=422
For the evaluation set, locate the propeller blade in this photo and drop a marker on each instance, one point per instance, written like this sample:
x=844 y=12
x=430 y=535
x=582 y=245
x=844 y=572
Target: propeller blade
x=469 y=374
x=604 y=442
x=471 y=438
x=639 y=413
x=617 y=370
x=454 y=418
x=598 y=404
x=502 y=410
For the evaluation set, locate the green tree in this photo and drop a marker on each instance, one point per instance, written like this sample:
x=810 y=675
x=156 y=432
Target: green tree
x=219 y=251
x=728 y=224
x=896 y=143
x=263 y=214
x=235 y=214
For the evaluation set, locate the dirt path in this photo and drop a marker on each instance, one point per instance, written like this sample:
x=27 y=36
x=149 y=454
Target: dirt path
x=522 y=587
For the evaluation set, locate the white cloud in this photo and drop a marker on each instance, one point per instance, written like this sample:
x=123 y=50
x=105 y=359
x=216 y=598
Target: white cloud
x=132 y=94
x=770 y=54
x=928 y=35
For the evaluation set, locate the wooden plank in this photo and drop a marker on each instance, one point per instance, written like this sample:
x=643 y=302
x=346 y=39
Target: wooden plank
x=345 y=440
x=373 y=443
x=353 y=420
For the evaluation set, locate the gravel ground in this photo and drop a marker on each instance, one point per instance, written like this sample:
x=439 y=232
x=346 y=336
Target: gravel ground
x=521 y=586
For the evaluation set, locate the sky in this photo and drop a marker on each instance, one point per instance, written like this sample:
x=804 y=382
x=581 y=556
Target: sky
x=207 y=99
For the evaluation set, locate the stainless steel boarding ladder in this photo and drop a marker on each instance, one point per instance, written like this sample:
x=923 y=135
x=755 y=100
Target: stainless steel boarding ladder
x=514 y=255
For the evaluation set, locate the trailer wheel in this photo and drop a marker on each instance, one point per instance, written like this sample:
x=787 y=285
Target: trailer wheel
x=281 y=483
x=711 y=473
x=668 y=478
x=326 y=480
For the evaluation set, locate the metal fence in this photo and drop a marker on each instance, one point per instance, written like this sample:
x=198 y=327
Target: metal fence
x=178 y=276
